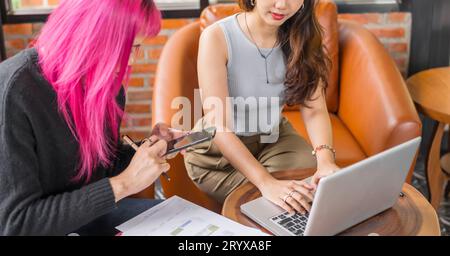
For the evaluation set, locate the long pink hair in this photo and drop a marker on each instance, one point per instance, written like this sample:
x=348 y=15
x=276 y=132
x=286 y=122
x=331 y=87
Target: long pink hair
x=84 y=49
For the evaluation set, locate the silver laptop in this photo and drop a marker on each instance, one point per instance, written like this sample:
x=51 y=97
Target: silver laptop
x=343 y=199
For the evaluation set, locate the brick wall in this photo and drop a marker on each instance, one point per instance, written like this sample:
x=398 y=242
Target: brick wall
x=140 y=87
x=392 y=29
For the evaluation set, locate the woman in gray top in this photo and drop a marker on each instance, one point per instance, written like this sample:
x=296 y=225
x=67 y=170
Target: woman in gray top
x=267 y=56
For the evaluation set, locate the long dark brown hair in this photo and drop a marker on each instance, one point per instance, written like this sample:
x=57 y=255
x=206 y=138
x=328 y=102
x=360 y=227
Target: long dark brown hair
x=308 y=65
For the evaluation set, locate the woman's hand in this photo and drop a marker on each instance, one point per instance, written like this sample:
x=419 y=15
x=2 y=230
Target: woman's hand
x=165 y=132
x=145 y=167
x=292 y=196
x=323 y=170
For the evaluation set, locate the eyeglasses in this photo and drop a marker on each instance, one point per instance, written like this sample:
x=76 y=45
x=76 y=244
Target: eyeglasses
x=136 y=48
x=136 y=51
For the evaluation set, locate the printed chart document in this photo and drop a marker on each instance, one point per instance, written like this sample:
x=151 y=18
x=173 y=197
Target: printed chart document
x=179 y=217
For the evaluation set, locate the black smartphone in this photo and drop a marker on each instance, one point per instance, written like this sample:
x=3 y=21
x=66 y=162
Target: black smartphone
x=190 y=140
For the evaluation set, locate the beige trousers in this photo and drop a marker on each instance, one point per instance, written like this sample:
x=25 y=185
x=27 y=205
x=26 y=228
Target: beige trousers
x=213 y=174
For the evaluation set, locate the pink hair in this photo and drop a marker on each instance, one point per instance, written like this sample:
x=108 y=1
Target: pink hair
x=84 y=49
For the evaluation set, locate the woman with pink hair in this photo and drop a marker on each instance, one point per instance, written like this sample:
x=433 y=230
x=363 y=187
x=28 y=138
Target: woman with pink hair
x=62 y=165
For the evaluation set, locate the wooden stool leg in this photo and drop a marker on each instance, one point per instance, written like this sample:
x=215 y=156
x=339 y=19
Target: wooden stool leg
x=435 y=177
x=446 y=168
x=447 y=190
x=448 y=141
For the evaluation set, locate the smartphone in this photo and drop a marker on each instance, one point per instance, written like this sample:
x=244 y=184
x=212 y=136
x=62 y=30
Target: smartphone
x=190 y=140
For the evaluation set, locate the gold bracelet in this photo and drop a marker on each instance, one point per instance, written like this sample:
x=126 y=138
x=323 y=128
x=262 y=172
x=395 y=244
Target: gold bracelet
x=324 y=146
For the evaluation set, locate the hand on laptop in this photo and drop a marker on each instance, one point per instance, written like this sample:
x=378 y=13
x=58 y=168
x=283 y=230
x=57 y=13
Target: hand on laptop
x=322 y=172
x=293 y=196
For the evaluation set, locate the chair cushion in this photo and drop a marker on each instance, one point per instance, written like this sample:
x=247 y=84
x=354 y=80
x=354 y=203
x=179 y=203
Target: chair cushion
x=347 y=148
x=326 y=12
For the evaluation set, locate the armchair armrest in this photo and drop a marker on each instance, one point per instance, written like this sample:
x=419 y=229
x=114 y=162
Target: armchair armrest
x=374 y=103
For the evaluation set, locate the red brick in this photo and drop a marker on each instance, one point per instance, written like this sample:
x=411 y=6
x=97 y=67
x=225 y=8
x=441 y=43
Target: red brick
x=124 y=124
x=137 y=108
x=389 y=32
x=136 y=82
x=401 y=63
x=174 y=23
x=398 y=47
x=157 y=40
x=18 y=29
x=139 y=122
x=37 y=27
x=141 y=95
x=151 y=81
x=31 y=42
x=364 y=18
x=15 y=43
x=126 y=120
x=397 y=17
x=154 y=53
x=143 y=68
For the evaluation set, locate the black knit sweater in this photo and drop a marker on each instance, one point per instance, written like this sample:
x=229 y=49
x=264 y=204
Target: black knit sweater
x=39 y=158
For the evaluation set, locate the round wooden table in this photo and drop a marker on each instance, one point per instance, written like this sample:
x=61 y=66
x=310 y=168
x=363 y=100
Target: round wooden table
x=430 y=91
x=412 y=215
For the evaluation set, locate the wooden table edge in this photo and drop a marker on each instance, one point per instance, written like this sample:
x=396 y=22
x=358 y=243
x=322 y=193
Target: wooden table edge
x=427 y=210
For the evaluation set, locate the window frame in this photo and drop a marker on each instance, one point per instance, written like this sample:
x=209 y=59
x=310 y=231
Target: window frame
x=9 y=17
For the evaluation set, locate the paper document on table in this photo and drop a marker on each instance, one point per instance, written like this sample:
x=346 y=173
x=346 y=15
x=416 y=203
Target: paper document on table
x=178 y=217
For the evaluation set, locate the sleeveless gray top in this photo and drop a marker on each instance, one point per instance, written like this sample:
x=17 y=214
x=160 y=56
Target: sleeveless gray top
x=257 y=105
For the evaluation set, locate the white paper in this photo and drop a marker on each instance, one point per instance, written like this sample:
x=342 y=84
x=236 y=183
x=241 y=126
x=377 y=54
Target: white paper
x=178 y=217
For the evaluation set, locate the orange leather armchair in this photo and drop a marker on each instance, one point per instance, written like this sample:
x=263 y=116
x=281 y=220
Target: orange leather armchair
x=369 y=105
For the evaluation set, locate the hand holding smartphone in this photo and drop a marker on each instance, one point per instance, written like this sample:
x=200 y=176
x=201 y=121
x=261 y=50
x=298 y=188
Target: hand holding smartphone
x=190 y=140
x=181 y=143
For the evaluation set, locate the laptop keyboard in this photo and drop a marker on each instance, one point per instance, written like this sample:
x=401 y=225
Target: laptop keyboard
x=294 y=224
